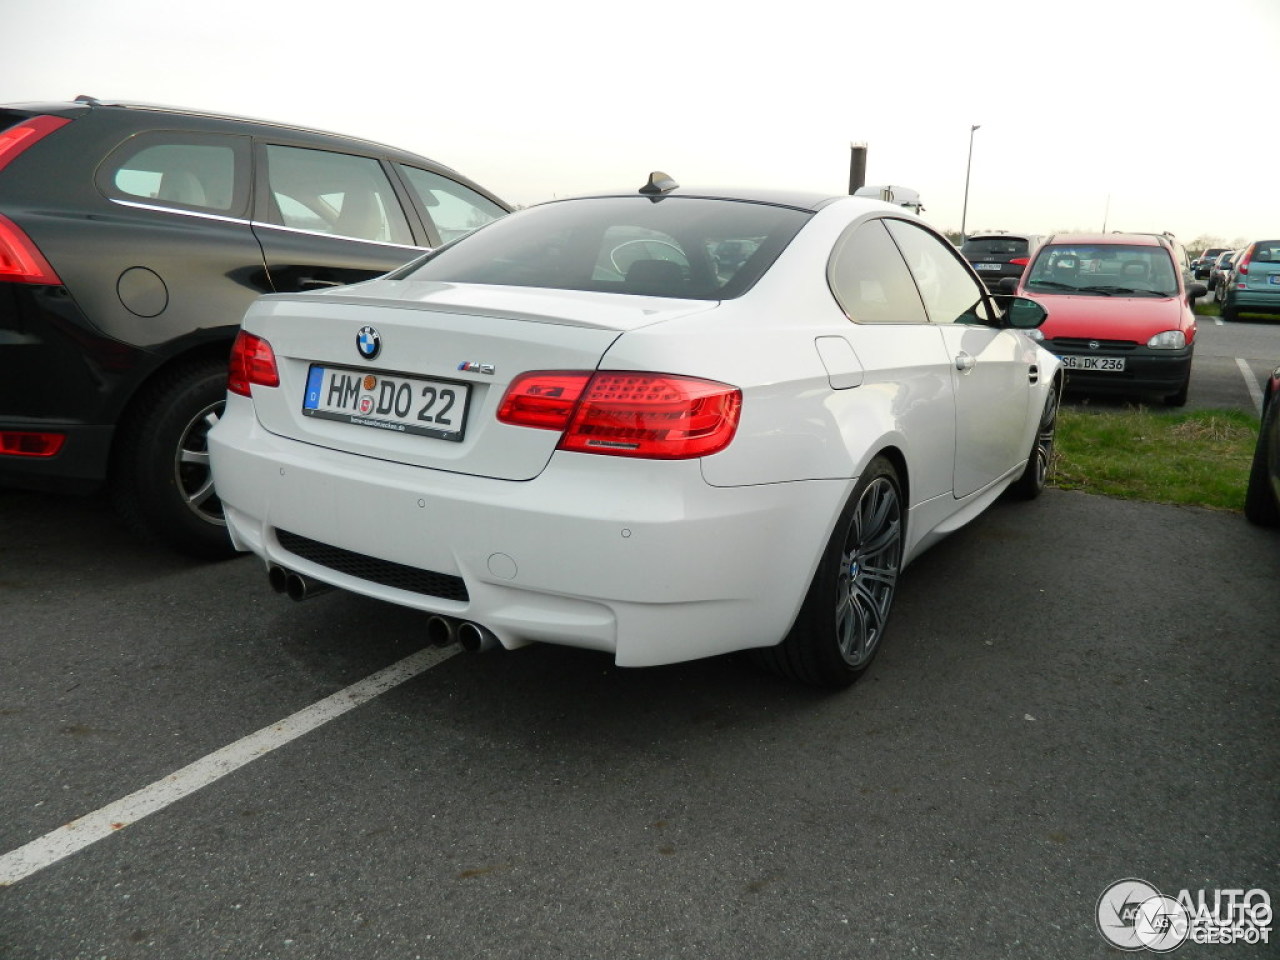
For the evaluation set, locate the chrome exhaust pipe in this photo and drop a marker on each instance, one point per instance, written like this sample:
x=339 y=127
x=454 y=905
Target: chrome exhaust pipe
x=278 y=577
x=440 y=631
x=477 y=639
x=301 y=588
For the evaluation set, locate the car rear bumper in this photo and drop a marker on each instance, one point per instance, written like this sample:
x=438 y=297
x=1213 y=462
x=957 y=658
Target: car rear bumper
x=80 y=466
x=1251 y=301
x=641 y=559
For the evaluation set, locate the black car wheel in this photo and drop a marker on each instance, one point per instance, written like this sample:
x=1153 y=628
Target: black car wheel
x=1033 y=479
x=1260 y=504
x=1179 y=398
x=841 y=624
x=162 y=484
x=1229 y=313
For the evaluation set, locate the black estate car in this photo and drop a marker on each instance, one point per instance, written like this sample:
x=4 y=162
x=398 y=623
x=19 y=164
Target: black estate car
x=998 y=255
x=132 y=239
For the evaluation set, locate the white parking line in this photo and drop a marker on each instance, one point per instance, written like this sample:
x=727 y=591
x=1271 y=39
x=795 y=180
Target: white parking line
x=1251 y=384
x=92 y=827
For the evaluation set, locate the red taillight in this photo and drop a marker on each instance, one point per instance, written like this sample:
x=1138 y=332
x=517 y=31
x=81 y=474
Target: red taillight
x=30 y=443
x=252 y=362
x=1243 y=266
x=658 y=416
x=20 y=260
x=1020 y=261
x=17 y=138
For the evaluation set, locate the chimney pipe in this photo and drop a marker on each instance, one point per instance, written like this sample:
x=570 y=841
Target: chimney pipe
x=857 y=167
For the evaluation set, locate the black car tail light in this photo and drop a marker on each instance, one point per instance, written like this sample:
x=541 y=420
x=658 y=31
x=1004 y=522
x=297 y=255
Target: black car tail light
x=20 y=259
x=21 y=136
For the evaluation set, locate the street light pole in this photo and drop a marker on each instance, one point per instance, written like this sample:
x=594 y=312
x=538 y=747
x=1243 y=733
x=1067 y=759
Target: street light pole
x=964 y=214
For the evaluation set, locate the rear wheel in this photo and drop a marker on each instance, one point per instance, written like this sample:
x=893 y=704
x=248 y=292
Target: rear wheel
x=161 y=482
x=841 y=624
x=1229 y=313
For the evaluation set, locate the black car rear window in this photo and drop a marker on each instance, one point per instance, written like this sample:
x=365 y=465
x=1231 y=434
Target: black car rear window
x=994 y=247
x=689 y=247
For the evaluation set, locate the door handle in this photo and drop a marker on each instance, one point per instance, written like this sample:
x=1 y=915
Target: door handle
x=965 y=362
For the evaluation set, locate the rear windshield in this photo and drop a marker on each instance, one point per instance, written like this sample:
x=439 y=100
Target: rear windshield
x=688 y=247
x=1103 y=269
x=994 y=247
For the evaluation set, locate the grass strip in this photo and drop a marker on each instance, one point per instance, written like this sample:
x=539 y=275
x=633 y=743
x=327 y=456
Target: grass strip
x=1198 y=458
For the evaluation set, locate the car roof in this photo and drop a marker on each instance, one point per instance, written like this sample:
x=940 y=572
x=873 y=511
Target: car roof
x=799 y=199
x=86 y=104
x=1128 y=239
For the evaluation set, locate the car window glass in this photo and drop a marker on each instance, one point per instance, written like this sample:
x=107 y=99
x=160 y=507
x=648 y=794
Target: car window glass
x=1103 y=269
x=949 y=291
x=870 y=279
x=454 y=209
x=334 y=193
x=624 y=245
x=195 y=174
x=995 y=247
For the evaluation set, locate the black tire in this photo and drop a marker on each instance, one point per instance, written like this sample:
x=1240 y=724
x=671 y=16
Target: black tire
x=1179 y=399
x=1039 y=461
x=1229 y=314
x=161 y=482
x=1260 y=505
x=841 y=623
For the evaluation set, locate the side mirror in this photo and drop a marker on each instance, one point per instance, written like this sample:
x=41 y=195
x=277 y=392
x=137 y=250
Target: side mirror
x=1197 y=290
x=1008 y=284
x=1024 y=314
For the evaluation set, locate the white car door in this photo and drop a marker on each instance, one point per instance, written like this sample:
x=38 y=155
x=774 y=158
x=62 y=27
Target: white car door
x=989 y=370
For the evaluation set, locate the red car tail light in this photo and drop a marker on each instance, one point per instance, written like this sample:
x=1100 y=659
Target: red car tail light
x=252 y=362
x=545 y=399
x=1243 y=266
x=20 y=260
x=17 y=138
x=656 y=416
x=1020 y=261
x=29 y=443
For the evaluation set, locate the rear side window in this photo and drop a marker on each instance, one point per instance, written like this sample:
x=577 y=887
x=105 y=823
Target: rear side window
x=870 y=279
x=186 y=171
x=335 y=193
x=454 y=209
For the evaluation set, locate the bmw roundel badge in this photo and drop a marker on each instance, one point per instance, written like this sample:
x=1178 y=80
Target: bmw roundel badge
x=368 y=342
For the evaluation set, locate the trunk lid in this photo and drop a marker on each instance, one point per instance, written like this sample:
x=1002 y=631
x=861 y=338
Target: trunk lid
x=457 y=346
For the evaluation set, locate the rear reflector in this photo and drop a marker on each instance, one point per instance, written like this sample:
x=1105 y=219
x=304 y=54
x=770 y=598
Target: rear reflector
x=17 y=138
x=20 y=260
x=30 y=443
x=651 y=415
x=252 y=362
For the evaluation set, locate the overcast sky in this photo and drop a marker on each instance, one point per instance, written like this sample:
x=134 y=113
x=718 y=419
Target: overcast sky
x=1130 y=114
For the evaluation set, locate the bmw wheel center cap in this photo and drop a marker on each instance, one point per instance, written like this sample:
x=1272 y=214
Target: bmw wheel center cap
x=368 y=342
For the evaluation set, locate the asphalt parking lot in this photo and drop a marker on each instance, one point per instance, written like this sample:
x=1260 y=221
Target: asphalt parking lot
x=1073 y=691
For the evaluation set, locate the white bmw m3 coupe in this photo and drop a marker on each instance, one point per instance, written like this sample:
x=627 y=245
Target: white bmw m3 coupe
x=664 y=424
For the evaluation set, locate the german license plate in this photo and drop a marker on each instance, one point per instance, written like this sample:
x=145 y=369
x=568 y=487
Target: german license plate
x=1099 y=364
x=1274 y=278
x=428 y=408
x=986 y=266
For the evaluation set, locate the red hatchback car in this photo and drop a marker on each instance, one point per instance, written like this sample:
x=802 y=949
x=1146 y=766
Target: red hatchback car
x=1120 y=312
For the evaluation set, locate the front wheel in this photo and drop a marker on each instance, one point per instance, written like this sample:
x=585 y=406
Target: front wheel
x=161 y=481
x=841 y=623
x=1036 y=474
